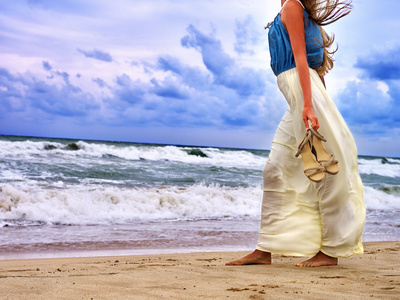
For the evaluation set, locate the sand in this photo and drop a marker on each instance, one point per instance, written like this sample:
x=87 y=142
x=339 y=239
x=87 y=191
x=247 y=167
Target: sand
x=374 y=275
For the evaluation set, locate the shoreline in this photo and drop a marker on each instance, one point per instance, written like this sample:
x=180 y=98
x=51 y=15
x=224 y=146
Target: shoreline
x=198 y=275
x=122 y=252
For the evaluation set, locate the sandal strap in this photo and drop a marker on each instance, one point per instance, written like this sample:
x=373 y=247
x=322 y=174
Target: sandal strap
x=329 y=162
x=310 y=133
x=307 y=139
x=315 y=170
x=317 y=134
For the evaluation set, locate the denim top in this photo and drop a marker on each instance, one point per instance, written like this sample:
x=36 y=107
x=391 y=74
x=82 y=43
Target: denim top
x=282 y=58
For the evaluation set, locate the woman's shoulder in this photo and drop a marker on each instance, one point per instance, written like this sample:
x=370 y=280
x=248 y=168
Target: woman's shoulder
x=292 y=7
x=291 y=11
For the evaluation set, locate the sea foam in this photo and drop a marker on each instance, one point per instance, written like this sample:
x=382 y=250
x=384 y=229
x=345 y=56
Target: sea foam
x=107 y=205
x=82 y=149
x=380 y=166
x=85 y=182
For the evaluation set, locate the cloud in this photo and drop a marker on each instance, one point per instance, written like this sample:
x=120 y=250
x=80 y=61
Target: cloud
x=129 y=91
x=97 y=54
x=216 y=80
x=369 y=107
x=64 y=76
x=169 y=88
x=22 y=93
x=170 y=63
x=214 y=58
x=230 y=95
x=381 y=65
x=65 y=101
x=370 y=104
x=226 y=72
x=100 y=82
x=221 y=95
x=192 y=77
x=11 y=94
x=362 y=102
x=47 y=66
x=247 y=35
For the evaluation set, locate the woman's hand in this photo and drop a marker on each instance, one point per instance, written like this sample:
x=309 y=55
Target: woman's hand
x=308 y=114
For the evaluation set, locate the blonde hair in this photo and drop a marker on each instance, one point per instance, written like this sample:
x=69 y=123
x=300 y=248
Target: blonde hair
x=324 y=12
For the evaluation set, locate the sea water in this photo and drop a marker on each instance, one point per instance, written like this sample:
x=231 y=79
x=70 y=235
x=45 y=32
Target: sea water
x=72 y=197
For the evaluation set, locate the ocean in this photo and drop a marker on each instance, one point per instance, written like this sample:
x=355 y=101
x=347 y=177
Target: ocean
x=65 y=198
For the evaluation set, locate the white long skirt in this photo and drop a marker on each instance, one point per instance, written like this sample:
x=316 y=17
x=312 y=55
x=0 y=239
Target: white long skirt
x=300 y=217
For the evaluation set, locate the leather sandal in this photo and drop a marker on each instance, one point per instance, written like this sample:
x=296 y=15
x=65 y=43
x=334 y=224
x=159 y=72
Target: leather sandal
x=322 y=156
x=312 y=169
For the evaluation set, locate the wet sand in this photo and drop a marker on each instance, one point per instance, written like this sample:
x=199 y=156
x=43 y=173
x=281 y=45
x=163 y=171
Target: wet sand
x=374 y=275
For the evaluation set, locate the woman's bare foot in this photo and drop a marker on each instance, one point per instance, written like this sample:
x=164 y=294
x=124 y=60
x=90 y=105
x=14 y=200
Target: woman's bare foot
x=257 y=257
x=319 y=260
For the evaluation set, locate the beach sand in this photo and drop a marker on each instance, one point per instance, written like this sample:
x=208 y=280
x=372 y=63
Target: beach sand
x=374 y=275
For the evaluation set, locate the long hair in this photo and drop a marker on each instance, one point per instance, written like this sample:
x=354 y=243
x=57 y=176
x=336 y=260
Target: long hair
x=324 y=12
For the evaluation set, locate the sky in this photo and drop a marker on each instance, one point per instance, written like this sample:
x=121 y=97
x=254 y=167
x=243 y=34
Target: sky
x=184 y=72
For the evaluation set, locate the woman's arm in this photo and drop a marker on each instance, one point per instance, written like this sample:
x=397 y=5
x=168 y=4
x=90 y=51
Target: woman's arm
x=292 y=18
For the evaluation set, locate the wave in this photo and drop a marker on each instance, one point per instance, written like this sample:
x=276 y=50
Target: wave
x=368 y=165
x=194 y=155
x=85 y=205
x=391 y=190
x=109 y=205
x=387 y=167
x=379 y=199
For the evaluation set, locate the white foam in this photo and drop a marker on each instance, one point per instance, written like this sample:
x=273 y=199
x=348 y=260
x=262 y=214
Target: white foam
x=28 y=194
x=376 y=167
x=14 y=175
x=215 y=156
x=107 y=205
x=394 y=160
x=115 y=205
x=376 y=199
x=179 y=154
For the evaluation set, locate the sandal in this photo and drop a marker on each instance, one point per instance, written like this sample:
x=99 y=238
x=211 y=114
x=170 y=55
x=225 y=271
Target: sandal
x=322 y=156
x=312 y=169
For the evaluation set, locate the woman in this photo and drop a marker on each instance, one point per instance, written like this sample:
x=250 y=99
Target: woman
x=312 y=204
